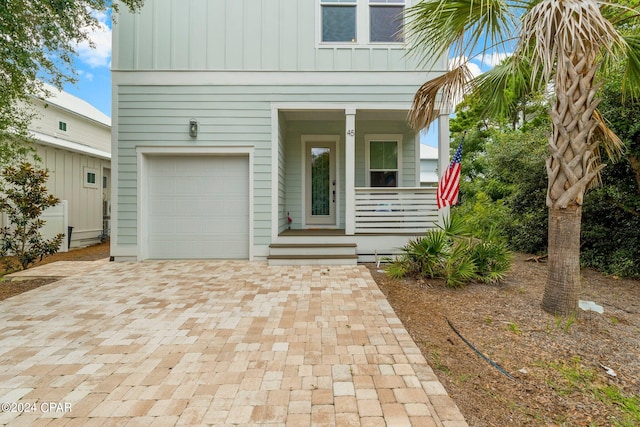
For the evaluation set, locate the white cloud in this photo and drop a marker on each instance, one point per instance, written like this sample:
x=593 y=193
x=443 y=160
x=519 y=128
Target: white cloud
x=494 y=58
x=473 y=67
x=86 y=75
x=100 y=56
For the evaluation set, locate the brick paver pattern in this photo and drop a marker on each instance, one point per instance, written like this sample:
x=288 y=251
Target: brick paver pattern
x=214 y=343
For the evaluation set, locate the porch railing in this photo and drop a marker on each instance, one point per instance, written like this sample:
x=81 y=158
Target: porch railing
x=405 y=210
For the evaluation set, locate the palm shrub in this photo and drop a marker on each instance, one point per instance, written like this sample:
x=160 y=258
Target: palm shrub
x=453 y=254
x=492 y=259
x=422 y=257
x=460 y=267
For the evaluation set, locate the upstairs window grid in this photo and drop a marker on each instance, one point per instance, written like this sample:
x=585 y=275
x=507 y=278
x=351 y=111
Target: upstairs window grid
x=386 y=21
x=351 y=21
x=339 y=20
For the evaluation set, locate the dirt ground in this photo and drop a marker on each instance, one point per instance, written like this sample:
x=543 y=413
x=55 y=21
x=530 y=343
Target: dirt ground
x=575 y=371
x=89 y=253
x=558 y=365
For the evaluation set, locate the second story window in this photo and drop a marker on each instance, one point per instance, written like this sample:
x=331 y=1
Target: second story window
x=386 y=21
x=62 y=126
x=361 y=21
x=338 y=20
x=90 y=177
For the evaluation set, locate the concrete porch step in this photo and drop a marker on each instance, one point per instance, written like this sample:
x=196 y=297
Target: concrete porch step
x=312 y=249
x=312 y=254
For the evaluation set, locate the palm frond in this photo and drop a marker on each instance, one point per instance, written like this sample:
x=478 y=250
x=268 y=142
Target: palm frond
x=449 y=87
x=620 y=15
x=455 y=226
x=442 y=27
x=505 y=84
x=552 y=27
x=607 y=139
x=631 y=77
x=603 y=139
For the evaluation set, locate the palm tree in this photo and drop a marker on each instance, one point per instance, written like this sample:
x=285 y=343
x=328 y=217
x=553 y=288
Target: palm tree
x=561 y=46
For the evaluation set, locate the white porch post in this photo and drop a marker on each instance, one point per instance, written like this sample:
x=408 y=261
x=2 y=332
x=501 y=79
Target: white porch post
x=349 y=166
x=443 y=157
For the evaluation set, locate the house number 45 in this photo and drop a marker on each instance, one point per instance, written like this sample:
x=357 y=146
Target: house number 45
x=351 y=132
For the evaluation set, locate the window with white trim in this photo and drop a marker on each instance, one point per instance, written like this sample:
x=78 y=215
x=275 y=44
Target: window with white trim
x=338 y=20
x=383 y=160
x=362 y=21
x=386 y=19
x=90 y=177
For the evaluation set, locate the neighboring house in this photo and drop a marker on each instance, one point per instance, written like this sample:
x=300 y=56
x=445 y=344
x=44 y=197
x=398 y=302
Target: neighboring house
x=428 y=166
x=262 y=130
x=73 y=140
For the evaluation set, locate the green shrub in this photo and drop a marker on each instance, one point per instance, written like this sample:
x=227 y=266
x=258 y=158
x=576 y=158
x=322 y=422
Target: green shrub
x=493 y=260
x=425 y=255
x=25 y=198
x=453 y=254
x=481 y=214
x=610 y=239
x=459 y=267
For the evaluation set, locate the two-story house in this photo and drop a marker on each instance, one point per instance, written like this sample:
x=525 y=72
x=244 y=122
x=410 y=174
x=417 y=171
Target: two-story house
x=72 y=140
x=262 y=129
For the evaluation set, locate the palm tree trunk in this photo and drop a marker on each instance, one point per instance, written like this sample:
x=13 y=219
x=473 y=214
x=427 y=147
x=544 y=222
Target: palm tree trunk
x=563 y=282
x=570 y=169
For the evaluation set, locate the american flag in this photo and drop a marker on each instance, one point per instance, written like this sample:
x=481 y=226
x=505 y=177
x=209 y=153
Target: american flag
x=447 y=194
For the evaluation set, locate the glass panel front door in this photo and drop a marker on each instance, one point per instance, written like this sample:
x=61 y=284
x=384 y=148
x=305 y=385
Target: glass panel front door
x=320 y=177
x=320 y=183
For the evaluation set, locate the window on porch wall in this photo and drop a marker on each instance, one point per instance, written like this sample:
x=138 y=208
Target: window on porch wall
x=383 y=163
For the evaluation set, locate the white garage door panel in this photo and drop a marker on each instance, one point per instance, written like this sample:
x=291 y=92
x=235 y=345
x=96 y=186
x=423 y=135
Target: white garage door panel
x=198 y=207
x=163 y=226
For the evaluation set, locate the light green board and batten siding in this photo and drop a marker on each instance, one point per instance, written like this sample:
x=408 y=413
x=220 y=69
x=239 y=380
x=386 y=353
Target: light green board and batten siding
x=227 y=63
x=227 y=116
x=267 y=35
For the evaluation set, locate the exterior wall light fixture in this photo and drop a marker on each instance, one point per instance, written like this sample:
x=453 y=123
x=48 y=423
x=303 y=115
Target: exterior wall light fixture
x=193 y=128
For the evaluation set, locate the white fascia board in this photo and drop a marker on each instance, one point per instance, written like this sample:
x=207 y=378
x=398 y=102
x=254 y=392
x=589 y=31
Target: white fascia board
x=104 y=123
x=276 y=78
x=76 y=106
x=349 y=108
x=69 y=145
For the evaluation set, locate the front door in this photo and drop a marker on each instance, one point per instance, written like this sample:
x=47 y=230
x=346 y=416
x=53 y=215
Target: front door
x=320 y=183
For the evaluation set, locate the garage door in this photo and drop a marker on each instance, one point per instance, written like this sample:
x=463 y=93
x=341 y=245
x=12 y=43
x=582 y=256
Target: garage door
x=198 y=207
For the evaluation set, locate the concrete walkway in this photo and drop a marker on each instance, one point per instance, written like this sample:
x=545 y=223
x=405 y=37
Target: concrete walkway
x=212 y=343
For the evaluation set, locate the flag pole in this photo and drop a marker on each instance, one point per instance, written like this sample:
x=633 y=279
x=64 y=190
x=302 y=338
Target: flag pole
x=449 y=183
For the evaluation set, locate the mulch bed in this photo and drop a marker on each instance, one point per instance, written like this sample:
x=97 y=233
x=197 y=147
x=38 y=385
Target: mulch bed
x=558 y=364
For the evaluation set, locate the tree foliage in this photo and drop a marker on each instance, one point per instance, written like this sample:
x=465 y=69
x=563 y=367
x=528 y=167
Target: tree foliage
x=567 y=46
x=504 y=186
x=25 y=198
x=610 y=235
x=38 y=42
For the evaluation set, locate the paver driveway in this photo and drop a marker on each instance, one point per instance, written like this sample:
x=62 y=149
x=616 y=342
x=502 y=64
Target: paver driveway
x=213 y=343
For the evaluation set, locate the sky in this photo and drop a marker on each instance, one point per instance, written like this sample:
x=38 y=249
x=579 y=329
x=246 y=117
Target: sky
x=94 y=77
x=93 y=67
x=477 y=66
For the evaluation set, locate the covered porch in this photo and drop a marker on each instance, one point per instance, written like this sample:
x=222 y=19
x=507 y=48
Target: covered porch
x=347 y=182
